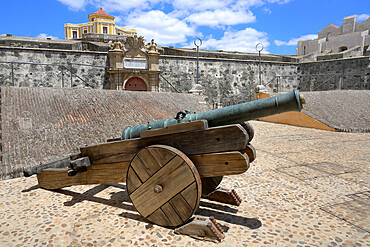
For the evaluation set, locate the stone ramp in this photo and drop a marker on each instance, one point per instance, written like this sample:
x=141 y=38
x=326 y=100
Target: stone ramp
x=43 y=124
x=343 y=110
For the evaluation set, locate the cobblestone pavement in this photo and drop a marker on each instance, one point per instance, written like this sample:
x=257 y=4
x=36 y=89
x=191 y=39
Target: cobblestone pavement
x=307 y=187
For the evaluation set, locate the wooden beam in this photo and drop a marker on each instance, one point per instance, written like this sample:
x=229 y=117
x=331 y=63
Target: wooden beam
x=56 y=178
x=208 y=165
x=220 y=164
x=213 y=140
x=177 y=128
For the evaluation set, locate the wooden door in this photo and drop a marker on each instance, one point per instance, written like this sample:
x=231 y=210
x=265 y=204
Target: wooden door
x=136 y=84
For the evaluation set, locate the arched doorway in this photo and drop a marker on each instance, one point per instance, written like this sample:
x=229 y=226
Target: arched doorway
x=135 y=84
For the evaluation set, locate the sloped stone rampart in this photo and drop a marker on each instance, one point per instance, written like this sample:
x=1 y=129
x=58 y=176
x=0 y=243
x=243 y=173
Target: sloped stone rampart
x=343 y=110
x=43 y=124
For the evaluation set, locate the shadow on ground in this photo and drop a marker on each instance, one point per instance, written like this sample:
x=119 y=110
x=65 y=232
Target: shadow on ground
x=121 y=200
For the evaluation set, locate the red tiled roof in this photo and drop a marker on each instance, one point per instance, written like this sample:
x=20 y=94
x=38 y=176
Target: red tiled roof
x=100 y=12
x=329 y=24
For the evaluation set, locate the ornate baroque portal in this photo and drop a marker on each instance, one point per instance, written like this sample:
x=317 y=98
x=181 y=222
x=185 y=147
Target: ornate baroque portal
x=134 y=65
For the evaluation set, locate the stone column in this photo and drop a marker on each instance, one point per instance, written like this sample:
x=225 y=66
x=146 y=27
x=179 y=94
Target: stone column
x=115 y=59
x=153 y=66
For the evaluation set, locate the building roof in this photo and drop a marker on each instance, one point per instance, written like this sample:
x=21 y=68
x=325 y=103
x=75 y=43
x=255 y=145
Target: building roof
x=329 y=24
x=100 y=12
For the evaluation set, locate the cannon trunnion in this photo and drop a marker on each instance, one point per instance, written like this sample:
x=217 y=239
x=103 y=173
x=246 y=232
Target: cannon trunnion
x=171 y=165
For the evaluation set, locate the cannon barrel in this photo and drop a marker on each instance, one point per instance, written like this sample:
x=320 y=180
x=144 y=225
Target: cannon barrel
x=236 y=114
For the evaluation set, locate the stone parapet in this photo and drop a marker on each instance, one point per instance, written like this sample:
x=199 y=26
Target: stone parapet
x=220 y=55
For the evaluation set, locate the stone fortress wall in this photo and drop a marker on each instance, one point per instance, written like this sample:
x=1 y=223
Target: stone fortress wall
x=50 y=63
x=231 y=78
x=227 y=77
x=333 y=42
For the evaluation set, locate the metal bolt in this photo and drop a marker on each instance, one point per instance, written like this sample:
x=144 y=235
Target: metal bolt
x=158 y=189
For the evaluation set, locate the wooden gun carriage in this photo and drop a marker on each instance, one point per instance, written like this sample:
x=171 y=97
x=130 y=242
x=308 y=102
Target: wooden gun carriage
x=169 y=165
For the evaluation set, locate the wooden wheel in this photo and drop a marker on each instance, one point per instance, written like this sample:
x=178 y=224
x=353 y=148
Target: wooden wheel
x=164 y=185
x=210 y=184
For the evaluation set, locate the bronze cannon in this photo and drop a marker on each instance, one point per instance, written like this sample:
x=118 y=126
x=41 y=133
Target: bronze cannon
x=173 y=162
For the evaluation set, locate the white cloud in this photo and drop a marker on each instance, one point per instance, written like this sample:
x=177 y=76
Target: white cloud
x=44 y=36
x=74 y=4
x=221 y=4
x=267 y=10
x=119 y=20
x=163 y=28
x=120 y=5
x=112 y=5
x=152 y=20
x=246 y=4
x=243 y=41
x=201 y=5
x=178 y=5
x=279 y=1
x=179 y=13
x=294 y=41
x=221 y=17
x=362 y=17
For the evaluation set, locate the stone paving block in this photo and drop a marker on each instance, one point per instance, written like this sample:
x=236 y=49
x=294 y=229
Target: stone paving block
x=332 y=187
x=269 y=162
x=287 y=191
x=303 y=172
x=354 y=212
x=363 y=197
x=360 y=178
x=331 y=168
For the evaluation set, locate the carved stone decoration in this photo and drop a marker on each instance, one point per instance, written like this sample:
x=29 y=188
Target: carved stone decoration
x=116 y=46
x=152 y=47
x=135 y=47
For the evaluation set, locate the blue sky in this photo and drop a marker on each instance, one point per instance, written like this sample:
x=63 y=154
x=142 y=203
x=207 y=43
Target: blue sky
x=230 y=25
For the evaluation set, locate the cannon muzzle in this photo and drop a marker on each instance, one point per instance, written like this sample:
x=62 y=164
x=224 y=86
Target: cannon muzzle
x=236 y=114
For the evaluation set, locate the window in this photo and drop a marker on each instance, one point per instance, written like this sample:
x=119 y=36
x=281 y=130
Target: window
x=74 y=34
x=304 y=50
x=343 y=48
x=85 y=31
x=105 y=30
